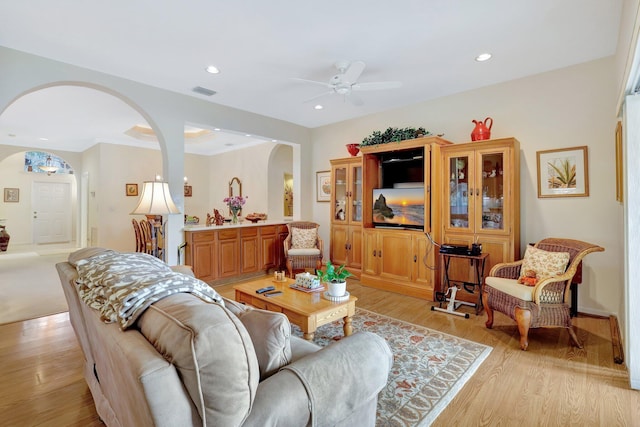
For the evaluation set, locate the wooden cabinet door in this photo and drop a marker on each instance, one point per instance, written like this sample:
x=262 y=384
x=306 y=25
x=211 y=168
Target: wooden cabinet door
x=269 y=249
x=355 y=248
x=203 y=255
x=249 y=255
x=394 y=252
x=228 y=253
x=339 y=244
x=370 y=259
x=423 y=260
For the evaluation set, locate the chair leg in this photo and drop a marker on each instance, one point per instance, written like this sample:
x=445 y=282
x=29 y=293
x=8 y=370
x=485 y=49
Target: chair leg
x=318 y=264
x=574 y=337
x=488 y=310
x=523 y=319
x=290 y=268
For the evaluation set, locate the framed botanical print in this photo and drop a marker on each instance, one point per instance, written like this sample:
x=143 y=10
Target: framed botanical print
x=323 y=186
x=563 y=172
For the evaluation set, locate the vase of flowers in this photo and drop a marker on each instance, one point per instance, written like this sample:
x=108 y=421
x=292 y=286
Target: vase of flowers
x=235 y=204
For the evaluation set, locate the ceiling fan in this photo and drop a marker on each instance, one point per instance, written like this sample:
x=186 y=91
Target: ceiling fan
x=346 y=82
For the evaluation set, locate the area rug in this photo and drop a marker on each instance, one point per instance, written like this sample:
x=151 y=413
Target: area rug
x=429 y=367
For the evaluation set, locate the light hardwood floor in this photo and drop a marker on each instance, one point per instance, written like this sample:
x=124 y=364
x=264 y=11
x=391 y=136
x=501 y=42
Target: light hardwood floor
x=551 y=384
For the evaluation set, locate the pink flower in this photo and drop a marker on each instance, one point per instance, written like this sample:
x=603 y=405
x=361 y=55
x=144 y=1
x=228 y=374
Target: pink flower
x=235 y=202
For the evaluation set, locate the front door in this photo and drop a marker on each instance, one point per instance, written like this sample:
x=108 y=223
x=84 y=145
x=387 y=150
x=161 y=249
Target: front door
x=51 y=212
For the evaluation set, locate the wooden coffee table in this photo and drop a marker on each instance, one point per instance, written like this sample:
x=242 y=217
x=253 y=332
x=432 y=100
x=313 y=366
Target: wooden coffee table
x=306 y=310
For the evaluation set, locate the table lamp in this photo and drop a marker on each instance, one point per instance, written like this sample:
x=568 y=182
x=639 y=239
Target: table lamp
x=155 y=202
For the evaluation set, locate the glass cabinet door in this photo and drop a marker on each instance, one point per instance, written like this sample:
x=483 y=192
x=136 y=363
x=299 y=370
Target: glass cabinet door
x=459 y=169
x=492 y=191
x=355 y=194
x=341 y=192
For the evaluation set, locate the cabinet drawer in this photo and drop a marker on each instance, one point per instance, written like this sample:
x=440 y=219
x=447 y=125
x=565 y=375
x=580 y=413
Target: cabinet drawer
x=268 y=230
x=206 y=236
x=227 y=234
x=249 y=232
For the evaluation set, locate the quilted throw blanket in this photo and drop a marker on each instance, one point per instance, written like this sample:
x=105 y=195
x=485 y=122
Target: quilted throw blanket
x=122 y=285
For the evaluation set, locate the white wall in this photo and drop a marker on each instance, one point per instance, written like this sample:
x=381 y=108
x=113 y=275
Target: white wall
x=570 y=107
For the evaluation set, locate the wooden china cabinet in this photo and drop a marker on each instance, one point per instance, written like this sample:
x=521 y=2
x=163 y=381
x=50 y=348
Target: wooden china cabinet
x=346 y=213
x=482 y=201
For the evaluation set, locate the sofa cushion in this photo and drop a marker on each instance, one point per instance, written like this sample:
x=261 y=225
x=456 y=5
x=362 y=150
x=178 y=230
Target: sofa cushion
x=544 y=263
x=270 y=333
x=303 y=238
x=212 y=351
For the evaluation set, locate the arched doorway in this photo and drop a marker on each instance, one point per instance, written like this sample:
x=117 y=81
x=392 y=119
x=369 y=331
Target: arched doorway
x=75 y=122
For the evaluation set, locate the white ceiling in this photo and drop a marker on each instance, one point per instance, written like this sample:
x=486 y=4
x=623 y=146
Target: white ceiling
x=261 y=46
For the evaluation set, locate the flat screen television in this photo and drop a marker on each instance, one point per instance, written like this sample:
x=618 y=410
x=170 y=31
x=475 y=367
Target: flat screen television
x=398 y=207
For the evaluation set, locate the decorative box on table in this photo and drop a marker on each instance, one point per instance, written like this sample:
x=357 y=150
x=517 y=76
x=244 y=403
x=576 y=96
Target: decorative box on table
x=307 y=280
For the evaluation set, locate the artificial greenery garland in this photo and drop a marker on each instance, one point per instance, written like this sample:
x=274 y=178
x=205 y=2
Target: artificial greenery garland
x=393 y=135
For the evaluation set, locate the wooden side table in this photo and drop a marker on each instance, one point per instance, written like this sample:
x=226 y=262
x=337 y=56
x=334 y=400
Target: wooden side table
x=479 y=262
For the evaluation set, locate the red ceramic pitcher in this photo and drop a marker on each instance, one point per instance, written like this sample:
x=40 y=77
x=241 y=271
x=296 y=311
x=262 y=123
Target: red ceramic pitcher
x=482 y=130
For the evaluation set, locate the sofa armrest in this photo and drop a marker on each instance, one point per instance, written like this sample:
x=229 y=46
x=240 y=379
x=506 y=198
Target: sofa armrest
x=343 y=377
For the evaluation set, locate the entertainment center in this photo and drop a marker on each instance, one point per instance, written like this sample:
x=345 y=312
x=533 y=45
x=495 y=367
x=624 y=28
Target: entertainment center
x=393 y=205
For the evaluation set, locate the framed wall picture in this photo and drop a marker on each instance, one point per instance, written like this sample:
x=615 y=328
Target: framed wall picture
x=619 y=164
x=12 y=195
x=563 y=172
x=188 y=191
x=323 y=186
x=132 y=189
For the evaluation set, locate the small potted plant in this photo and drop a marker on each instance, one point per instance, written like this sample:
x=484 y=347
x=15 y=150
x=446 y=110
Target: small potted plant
x=335 y=278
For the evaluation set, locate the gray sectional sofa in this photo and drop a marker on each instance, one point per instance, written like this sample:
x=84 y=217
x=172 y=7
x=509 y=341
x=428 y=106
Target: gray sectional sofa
x=186 y=362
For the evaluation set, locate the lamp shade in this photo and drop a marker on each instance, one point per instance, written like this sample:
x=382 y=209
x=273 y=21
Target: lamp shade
x=155 y=200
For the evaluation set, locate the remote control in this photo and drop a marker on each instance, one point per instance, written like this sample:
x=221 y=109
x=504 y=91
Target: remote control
x=263 y=290
x=272 y=293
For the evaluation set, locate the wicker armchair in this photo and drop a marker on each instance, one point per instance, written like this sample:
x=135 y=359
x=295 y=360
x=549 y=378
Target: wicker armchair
x=303 y=246
x=545 y=303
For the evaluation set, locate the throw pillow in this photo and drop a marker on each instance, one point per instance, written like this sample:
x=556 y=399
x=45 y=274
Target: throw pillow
x=544 y=263
x=303 y=238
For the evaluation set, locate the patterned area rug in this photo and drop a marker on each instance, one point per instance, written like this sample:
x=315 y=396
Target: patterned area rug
x=429 y=368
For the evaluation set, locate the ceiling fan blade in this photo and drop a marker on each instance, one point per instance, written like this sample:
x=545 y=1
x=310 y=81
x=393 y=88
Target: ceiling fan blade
x=376 y=85
x=319 y=96
x=325 y=84
x=355 y=99
x=353 y=72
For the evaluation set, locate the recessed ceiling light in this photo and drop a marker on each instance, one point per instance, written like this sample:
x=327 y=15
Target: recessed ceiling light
x=483 y=57
x=318 y=107
x=248 y=134
x=216 y=129
x=212 y=69
x=43 y=139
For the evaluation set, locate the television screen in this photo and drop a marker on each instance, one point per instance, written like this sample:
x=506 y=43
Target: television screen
x=398 y=207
